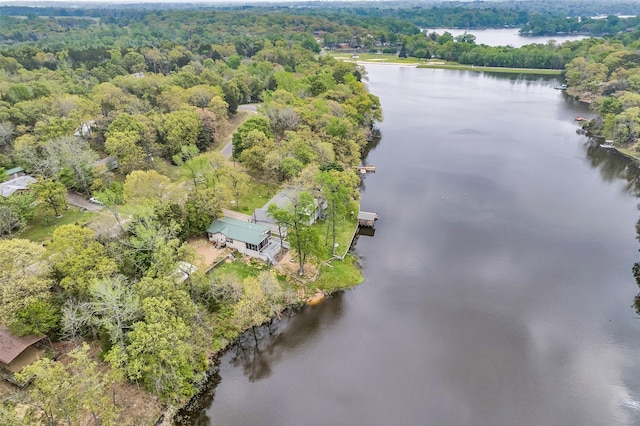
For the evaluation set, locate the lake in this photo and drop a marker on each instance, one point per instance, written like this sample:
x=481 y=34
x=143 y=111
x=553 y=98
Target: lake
x=498 y=283
x=506 y=36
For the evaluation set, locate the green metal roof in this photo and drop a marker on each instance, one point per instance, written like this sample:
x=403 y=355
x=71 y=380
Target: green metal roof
x=14 y=170
x=235 y=229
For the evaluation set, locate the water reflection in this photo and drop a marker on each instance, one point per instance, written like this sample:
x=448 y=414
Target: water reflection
x=498 y=288
x=257 y=353
x=615 y=167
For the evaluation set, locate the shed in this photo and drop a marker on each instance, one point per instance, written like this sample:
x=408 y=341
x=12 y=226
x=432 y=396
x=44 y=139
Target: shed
x=17 y=352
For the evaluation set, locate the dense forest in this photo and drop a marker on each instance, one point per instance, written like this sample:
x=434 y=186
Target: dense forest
x=160 y=107
x=160 y=91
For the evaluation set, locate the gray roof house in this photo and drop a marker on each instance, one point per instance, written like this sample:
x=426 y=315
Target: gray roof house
x=109 y=162
x=283 y=200
x=14 y=185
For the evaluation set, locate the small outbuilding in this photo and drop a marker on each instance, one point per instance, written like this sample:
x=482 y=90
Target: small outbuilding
x=18 y=352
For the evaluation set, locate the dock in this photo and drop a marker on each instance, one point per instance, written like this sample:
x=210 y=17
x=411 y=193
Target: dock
x=367 y=219
x=366 y=169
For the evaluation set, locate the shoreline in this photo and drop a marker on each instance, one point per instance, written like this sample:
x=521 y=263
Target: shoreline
x=172 y=413
x=459 y=67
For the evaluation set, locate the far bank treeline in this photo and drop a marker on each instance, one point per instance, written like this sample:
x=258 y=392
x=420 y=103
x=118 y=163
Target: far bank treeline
x=125 y=279
x=86 y=36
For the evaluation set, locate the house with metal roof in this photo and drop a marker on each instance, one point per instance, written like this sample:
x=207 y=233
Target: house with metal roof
x=14 y=185
x=248 y=238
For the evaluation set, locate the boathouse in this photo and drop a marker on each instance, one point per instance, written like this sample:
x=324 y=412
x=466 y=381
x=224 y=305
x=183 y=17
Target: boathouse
x=367 y=219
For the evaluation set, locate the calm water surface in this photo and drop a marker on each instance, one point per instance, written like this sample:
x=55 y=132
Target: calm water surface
x=506 y=36
x=498 y=283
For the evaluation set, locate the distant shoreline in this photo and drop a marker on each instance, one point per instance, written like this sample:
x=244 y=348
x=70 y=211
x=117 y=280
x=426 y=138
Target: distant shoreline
x=474 y=68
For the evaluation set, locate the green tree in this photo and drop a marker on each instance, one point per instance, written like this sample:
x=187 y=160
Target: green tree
x=180 y=128
x=240 y=142
x=51 y=193
x=15 y=212
x=303 y=237
x=251 y=309
x=52 y=392
x=78 y=259
x=337 y=189
x=148 y=185
x=92 y=386
x=160 y=355
x=203 y=206
x=113 y=306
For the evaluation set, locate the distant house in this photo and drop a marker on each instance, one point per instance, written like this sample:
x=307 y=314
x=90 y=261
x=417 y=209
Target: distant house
x=248 y=238
x=109 y=162
x=85 y=129
x=14 y=185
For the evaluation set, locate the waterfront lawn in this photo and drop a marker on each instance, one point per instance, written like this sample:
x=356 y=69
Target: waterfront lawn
x=44 y=223
x=338 y=275
x=374 y=57
x=345 y=229
x=456 y=66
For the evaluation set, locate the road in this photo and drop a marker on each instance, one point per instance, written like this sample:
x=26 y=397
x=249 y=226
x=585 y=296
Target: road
x=227 y=150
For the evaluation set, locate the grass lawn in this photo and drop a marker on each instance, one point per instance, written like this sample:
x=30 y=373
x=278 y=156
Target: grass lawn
x=240 y=269
x=344 y=233
x=256 y=196
x=42 y=226
x=374 y=57
x=173 y=172
x=339 y=274
x=435 y=63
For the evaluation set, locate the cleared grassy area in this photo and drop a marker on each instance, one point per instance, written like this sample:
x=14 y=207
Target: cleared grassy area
x=374 y=57
x=256 y=196
x=338 y=275
x=345 y=229
x=436 y=63
x=240 y=269
x=44 y=223
x=455 y=66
